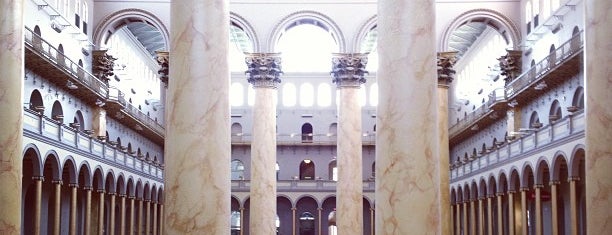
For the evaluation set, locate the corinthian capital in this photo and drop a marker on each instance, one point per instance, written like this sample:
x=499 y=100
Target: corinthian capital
x=348 y=69
x=264 y=69
x=163 y=59
x=446 y=72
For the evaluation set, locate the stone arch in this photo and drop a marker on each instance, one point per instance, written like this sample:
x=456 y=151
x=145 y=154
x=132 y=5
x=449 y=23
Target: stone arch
x=138 y=189
x=557 y=162
x=116 y=20
x=459 y=194
x=527 y=171
x=98 y=178
x=482 y=187
x=85 y=175
x=474 y=190
x=497 y=20
x=32 y=152
x=502 y=184
x=52 y=160
x=578 y=154
x=129 y=187
x=514 y=183
x=70 y=165
x=243 y=24
x=491 y=185
x=160 y=194
x=154 y=193
x=317 y=18
x=541 y=165
x=364 y=29
x=109 y=182
x=146 y=192
x=121 y=185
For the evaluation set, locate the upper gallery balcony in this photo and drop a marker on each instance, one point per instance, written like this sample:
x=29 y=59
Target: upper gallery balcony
x=43 y=58
x=556 y=68
x=367 y=139
x=132 y=117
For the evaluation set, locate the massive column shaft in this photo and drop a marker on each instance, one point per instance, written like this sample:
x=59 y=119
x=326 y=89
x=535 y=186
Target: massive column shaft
x=348 y=74
x=408 y=177
x=263 y=73
x=446 y=61
x=11 y=103
x=598 y=50
x=198 y=127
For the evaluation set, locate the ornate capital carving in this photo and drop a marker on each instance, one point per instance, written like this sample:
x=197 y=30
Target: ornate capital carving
x=103 y=64
x=163 y=59
x=348 y=69
x=264 y=69
x=446 y=72
x=510 y=65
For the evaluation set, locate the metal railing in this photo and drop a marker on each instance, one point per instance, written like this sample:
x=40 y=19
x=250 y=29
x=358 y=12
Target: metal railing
x=119 y=97
x=565 y=52
x=57 y=58
x=297 y=139
x=495 y=96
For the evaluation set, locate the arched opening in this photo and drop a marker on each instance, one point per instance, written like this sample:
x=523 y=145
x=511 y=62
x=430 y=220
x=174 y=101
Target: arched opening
x=333 y=131
x=57 y=112
x=307 y=170
x=236 y=132
x=36 y=102
x=578 y=100
x=307 y=135
x=237 y=170
x=534 y=120
x=555 y=112
x=306 y=46
x=333 y=170
x=31 y=170
x=240 y=43
x=307 y=224
x=284 y=212
x=552 y=57
x=61 y=59
x=78 y=122
x=37 y=38
x=575 y=44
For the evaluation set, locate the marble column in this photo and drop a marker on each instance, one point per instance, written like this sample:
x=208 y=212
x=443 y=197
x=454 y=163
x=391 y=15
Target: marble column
x=11 y=104
x=131 y=216
x=38 y=180
x=111 y=217
x=500 y=214
x=348 y=72
x=264 y=70
x=481 y=215
x=445 y=63
x=293 y=222
x=524 y=219
x=147 y=216
x=598 y=159
x=538 y=208
x=465 y=217
x=473 y=216
x=241 y=219
x=407 y=168
x=555 y=207
x=101 y=224
x=161 y=219
x=573 y=206
x=511 y=214
x=73 y=209
x=490 y=214
x=57 y=204
x=458 y=221
x=154 y=219
x=140 y=219
x=87 y=229
x=198 y=126
x=122 y=214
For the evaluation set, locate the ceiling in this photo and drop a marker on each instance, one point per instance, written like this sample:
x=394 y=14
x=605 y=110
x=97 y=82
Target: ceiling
x=464 y=37
x=149 y=36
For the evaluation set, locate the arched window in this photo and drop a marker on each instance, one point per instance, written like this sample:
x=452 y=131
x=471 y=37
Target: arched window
x=324 y=95
x=368 y=45
x=307 y=170
x=307 y=224
x=60 y=55
x=235 y=223
x=240 y=42
x=236 y=130
x=575 y=43
x=578 y=99
x=307 y=135
x=333 y=170
x=555 y=111
x=306 y=46
x=57 y=113
x=237 y=170
x=306 y=95
x=36 y=102
x=289 y=95
x=36 y=38
x=552 y=57
x=333 y=130
x=78 y=121
x=534 y=120
x=237 y=94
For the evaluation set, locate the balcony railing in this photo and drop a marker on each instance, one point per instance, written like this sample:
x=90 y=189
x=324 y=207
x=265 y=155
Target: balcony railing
x=118 y=96
x=300 y=185
x=65 y=137
x=299 y=139
x=519 y=148
x=79 y=75
x=494 y=97
x=565 y=52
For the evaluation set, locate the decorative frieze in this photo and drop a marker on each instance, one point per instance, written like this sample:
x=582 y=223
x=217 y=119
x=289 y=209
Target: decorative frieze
x=163 y=59
x=446 y=71
x=264 y=69
x=510 y=65
x=103 y=64
x=348 y=69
